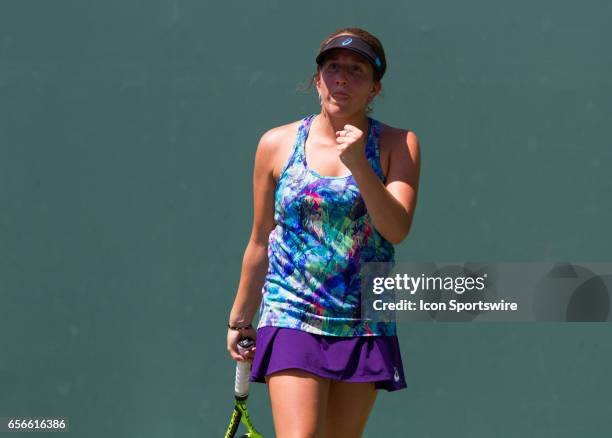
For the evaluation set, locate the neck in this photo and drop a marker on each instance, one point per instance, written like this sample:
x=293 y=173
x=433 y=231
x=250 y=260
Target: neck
x=328 y=125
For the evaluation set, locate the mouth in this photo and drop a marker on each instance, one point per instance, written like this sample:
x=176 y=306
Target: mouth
x=339 y=95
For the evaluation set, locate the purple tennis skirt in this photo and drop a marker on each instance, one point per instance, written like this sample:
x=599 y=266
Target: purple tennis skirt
x=350 y=359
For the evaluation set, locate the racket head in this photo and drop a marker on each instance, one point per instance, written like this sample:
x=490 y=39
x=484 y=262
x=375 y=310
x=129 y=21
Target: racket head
x=234 y=423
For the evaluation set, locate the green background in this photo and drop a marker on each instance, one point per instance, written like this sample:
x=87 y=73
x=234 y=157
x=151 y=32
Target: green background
x=127 y=137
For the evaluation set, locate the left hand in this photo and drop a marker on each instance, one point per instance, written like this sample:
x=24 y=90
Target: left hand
x=351 y=146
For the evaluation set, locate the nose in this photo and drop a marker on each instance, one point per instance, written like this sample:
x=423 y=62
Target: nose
x=341 y=76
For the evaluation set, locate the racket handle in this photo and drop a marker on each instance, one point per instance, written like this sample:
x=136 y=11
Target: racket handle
x=243 y=370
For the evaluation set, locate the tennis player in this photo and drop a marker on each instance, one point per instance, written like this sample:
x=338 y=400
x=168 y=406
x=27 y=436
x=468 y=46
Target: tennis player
x=331 y=191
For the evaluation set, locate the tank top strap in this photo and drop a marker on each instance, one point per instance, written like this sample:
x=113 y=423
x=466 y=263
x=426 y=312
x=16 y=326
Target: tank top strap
x=297 y=154
x=304 y=129
x=373 y=148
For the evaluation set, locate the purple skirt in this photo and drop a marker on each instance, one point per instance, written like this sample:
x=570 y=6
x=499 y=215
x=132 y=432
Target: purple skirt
x=350 y=359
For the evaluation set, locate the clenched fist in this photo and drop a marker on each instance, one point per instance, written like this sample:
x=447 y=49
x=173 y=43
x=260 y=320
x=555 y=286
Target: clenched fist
x=351 y=146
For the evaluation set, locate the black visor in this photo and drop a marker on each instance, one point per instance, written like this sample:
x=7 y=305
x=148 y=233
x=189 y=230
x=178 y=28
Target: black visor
x=356 y=44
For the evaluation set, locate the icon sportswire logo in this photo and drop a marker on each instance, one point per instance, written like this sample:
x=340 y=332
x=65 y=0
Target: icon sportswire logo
x=347 y=41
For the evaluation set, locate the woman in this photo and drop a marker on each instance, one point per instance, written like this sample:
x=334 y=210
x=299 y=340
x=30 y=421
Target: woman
x=331 y=191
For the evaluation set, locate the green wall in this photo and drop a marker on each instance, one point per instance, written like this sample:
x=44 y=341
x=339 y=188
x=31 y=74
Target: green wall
x=127 y=136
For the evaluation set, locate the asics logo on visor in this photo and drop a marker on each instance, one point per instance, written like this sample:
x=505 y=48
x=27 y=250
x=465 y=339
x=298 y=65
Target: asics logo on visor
x=347 y=41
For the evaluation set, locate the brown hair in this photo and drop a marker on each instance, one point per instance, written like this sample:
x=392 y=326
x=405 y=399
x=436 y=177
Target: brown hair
x=364 y=35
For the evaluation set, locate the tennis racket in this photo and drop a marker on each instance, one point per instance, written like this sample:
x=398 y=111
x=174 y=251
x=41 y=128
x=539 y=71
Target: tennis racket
x=241 y=393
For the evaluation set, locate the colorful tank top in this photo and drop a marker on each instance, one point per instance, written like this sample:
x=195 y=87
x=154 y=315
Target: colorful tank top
x=322 y=237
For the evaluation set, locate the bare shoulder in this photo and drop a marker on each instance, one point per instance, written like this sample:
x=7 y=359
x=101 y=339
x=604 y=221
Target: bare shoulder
x=393 y=139
x=275 y=147
x=398 y=146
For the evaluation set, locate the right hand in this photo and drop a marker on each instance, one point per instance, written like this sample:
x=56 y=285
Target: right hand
x=233 y=336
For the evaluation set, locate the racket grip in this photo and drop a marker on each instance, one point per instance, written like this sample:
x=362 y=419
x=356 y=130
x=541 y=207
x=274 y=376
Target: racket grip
x=243 y=370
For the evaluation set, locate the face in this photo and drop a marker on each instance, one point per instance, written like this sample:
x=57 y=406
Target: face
x=346 y=82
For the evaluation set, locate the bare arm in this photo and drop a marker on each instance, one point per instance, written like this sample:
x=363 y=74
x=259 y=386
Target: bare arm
x=391 y=207
x=255 y=259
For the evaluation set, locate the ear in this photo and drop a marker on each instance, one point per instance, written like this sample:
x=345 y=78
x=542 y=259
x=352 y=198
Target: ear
x=317 y=82
x=375 y=90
